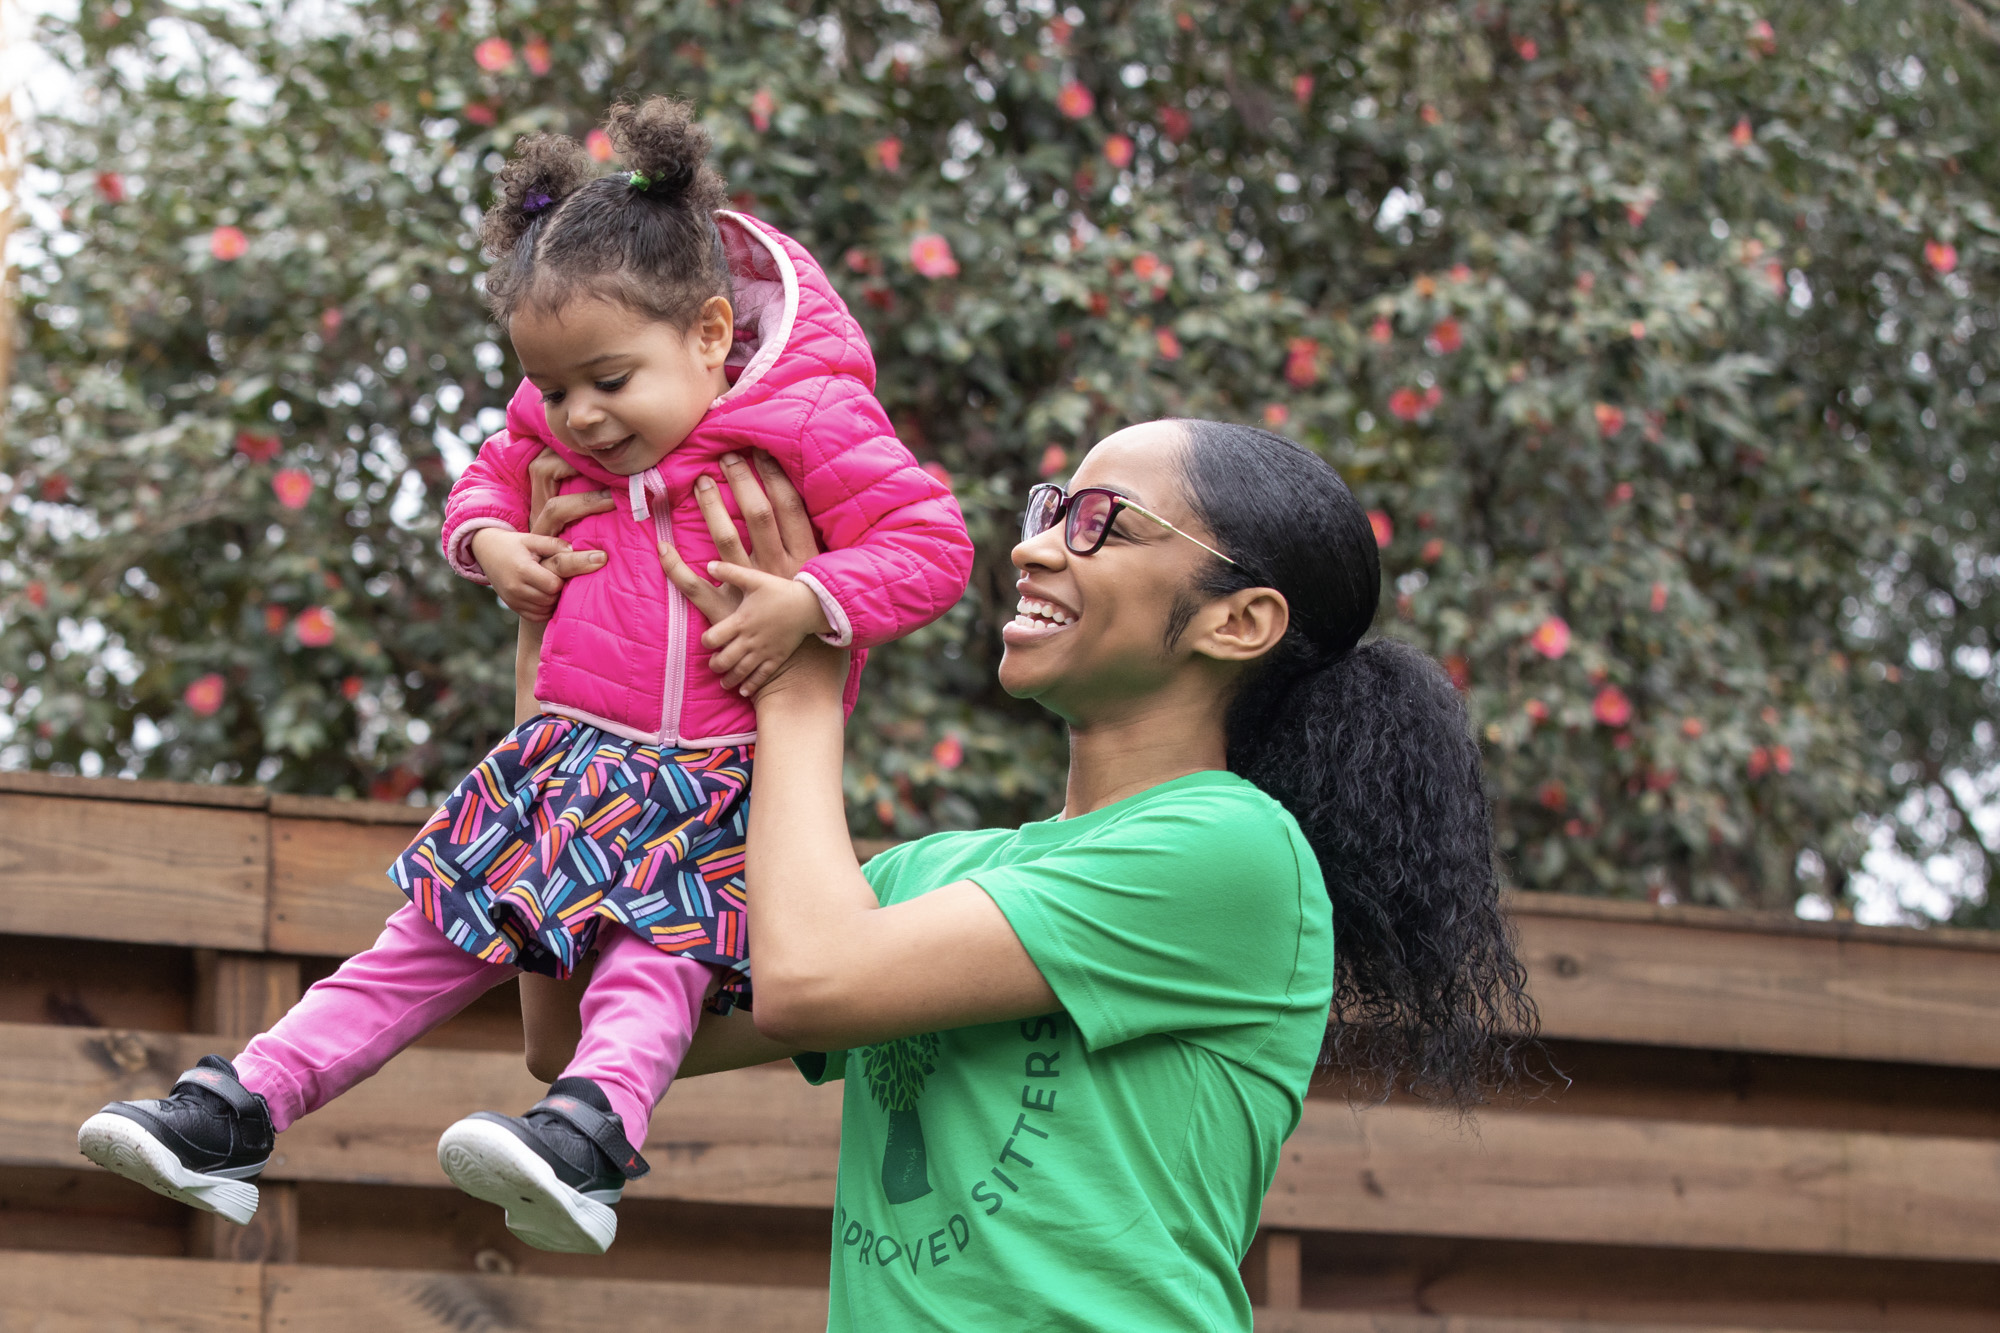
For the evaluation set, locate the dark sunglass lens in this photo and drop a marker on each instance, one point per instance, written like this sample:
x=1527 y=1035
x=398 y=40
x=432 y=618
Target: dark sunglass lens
x=1089 y=516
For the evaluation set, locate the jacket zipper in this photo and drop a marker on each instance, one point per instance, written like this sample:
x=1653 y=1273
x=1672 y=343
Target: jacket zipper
x=673 y=687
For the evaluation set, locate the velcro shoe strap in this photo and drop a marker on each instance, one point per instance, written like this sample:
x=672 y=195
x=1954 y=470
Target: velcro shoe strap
x=241 y=1100
x=606 y=1131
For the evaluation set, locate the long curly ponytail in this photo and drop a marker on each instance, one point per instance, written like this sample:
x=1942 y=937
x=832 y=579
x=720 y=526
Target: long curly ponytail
x=1367 y=745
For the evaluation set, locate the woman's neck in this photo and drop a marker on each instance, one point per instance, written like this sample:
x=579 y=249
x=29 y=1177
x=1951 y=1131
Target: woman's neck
x=1158 y=739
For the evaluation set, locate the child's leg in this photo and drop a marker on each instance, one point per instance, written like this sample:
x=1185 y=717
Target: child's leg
x=639 y=1014
x=349 y=1025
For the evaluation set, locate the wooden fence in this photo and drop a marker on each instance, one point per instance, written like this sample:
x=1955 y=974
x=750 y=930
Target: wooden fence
x=1771 y=1124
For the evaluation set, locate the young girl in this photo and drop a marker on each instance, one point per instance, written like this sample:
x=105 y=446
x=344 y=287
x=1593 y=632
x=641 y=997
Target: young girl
x=661 y=336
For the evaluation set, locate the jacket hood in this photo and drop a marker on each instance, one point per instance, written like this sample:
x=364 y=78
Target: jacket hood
x=791 y=326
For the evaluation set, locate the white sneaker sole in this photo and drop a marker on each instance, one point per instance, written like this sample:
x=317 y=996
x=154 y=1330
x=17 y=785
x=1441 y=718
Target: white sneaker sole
x=123 y=1147
x=489 y=1163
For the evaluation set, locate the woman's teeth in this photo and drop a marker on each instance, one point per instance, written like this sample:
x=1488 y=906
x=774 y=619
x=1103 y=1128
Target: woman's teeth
x=1030 y=612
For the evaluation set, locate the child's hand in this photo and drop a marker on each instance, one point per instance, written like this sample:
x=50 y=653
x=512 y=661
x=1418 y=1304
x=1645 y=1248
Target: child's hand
x=760 y=614
x=528 y=569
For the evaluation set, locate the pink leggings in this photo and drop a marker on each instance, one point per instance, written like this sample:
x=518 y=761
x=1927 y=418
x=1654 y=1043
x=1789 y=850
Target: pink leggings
x=639 y=1014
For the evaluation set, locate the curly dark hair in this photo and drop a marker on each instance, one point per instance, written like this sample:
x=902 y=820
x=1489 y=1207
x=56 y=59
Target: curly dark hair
x=1367 y=745
x=644 y=237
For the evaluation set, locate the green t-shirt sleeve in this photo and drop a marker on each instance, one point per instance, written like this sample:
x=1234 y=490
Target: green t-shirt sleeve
x=1185 y=916
x=821 y=1066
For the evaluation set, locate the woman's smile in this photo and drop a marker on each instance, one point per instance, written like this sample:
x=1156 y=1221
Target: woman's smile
x=1036 y=617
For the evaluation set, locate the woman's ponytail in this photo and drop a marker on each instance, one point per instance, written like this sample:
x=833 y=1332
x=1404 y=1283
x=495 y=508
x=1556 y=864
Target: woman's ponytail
x=1367 y=745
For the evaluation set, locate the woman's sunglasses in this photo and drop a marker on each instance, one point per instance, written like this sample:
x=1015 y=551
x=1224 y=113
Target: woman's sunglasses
x=1090 y=512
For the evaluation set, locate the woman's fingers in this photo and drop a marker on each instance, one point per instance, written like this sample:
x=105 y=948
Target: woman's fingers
x=563 y=510
x=721 y=530
x=569 y=564
x=766 y=540
x=546 y=474
x=794 y=523
x=714 y=603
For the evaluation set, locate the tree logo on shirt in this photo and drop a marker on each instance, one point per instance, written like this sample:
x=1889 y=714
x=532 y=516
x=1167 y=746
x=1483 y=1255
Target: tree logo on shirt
x=896 y=1072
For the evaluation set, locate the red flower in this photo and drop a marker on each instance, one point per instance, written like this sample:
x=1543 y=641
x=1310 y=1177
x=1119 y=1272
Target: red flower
x=1184 y=21
x=314 y=627
x=1659 y=77
x=1551 y=638
x=1406 y=404
x=1763 y=40
x=1147 y=266
x=930 y=255
x=330 y=320
x=1384 y=528
x=38 y=594
x=1526 y=48
x=762 y=104
x=1302 y=88
x=1459 y=670
x=1447 y=337
x=1428 y=114
x=228 y=244
x=1552 y=796
x=1302 y=363
x=1460 y=273
x=939 y=471
x=600 y=146
x=1118 y=151
x=1060 y=29
x=1760 y=762
x=1075 y=100
x=292 y=486
x=274 y=619
x=1276 y=415
x=55 y=488
x=1940 y=256
x=1610 y=420
x=1100 y=304
x=1380 y=331
x=1536 y=709
x=1781 y=758
x=1054 y=459
x=1692 y=727
x=494 y=54
x=888 y=153
x=1585 y=281
x=1621 y=492
x=112 y=186
x=1740 y=136
x=257 y=448
x=350 y=688
x=1433 y=551
x=1611 y=707
x=536 y=52
x=204 y=695
x=1169 y=345
x=1659 y=598
x=948 y=753
x=1175 y=123
x=1635 y=212
x=481 y=114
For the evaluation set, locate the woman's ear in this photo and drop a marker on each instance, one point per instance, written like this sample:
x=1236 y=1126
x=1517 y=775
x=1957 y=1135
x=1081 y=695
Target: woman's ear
x=715 y=332
x=1242 y=626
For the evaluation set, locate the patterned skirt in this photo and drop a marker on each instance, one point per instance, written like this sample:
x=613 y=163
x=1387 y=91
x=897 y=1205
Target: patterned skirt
x=565 y=825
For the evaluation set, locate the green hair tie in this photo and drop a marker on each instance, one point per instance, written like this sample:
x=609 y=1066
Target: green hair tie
x=639 y=180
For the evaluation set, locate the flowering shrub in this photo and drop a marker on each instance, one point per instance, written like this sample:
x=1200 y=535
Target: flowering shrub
x=1653 y=338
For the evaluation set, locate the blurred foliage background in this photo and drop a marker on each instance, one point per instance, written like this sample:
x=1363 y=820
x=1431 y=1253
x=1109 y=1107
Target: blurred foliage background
x=1656 y=335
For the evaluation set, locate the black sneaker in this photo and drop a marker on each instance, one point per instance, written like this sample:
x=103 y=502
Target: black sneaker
x=558 y=1170
x=203 y=1143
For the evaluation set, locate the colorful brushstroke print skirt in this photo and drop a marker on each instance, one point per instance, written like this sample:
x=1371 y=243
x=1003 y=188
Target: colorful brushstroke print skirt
x=565 y=826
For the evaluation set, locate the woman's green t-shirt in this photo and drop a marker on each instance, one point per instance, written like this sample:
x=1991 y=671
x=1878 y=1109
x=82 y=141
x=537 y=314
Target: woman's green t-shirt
x=1103 y=1167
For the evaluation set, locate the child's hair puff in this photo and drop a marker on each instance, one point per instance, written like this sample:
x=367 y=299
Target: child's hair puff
x=643 y=237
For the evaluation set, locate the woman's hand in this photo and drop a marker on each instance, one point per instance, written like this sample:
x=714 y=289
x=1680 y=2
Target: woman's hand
x=528 y=569
x=760 y=614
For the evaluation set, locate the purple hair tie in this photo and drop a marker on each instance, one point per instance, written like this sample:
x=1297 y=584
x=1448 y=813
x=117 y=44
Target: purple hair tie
x=535 y=203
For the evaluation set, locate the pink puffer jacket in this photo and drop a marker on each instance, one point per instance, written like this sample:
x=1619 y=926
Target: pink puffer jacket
x=623 y=650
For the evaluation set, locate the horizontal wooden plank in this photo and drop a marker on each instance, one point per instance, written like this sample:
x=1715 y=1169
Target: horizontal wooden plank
x=340 y=1300
x=131 y=789
x=151 y=874
x=1357 y=1321
x=350 y=812
x=1600 y=1180
x=329 y=892
x=89 y=1293
x=1858 y=998
x=1742 y=920
x=767 y=1138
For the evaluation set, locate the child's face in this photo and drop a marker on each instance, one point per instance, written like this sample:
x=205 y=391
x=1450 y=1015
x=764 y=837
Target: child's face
x=621 y=388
